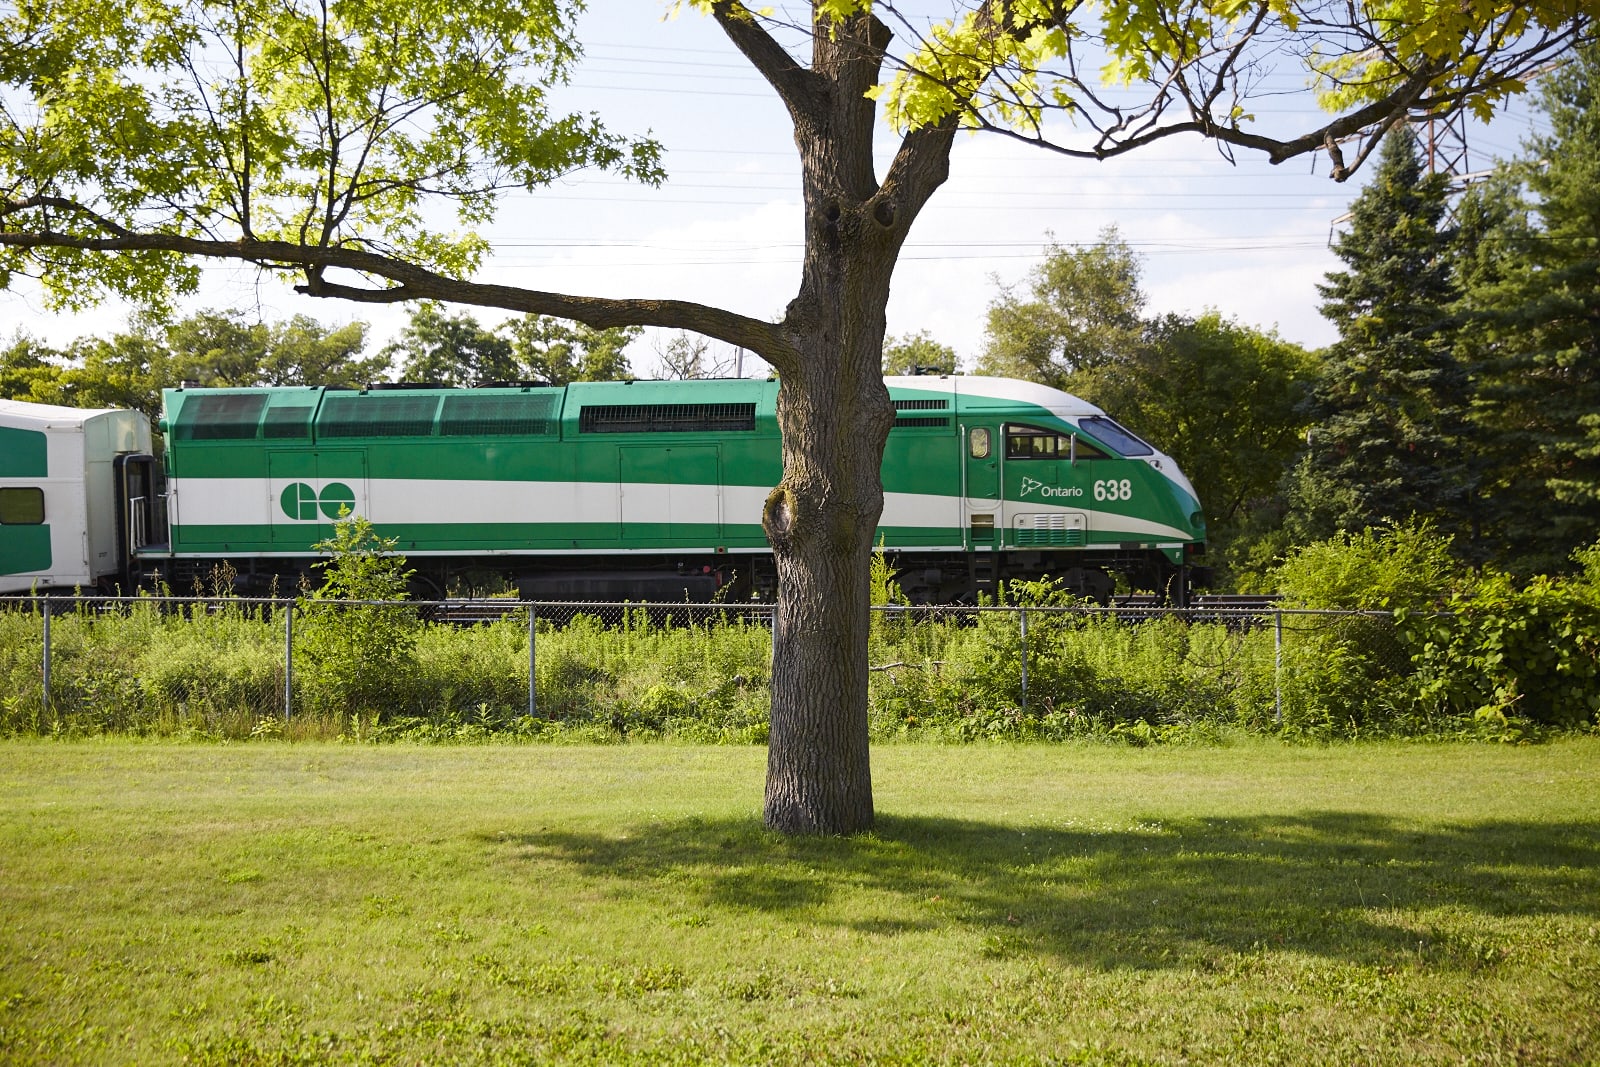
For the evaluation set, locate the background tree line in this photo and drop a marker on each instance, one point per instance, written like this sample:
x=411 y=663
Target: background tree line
x=1463 y=391
x=222 y=348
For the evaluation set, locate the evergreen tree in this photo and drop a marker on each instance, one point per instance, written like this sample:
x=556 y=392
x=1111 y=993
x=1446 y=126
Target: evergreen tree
x=1535 y=313
x=1388 y=437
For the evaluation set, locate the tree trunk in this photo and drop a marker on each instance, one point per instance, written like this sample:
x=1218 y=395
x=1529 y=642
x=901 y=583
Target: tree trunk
x=835 y=415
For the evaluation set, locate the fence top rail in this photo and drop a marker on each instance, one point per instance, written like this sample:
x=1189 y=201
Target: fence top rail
x=750 y=607
x=506 y=602
x=97 y=598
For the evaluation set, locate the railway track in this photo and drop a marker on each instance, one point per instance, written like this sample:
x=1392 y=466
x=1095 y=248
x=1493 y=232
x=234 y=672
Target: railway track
x=470 y=611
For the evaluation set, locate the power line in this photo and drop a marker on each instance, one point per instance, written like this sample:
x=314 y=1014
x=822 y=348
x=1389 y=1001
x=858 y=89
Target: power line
x=1186 y=244
x=963 y=174
x=701 y=259
x=647 y=195
x=944 y=204
x=580 y=86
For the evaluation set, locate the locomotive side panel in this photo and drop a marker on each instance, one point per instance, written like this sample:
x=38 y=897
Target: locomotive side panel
x=608 y=482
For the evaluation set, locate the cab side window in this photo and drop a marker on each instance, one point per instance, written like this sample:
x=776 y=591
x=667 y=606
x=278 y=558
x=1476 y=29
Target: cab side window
x=1089 y=451
x=1024 y=442
x=1028 y=442
x=23 y=506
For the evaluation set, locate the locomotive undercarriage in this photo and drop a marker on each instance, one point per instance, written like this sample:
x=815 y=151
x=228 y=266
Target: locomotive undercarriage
x=924 y=578
x=962 y=579
x=666 y=579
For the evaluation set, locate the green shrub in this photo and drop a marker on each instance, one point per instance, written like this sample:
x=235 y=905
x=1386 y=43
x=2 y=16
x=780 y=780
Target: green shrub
x=1503 y=662
x=1400 y=567
x=1505 y=654
x=358 y=658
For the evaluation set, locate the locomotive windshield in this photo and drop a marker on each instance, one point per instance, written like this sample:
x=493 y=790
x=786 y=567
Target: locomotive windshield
x=1113 y=436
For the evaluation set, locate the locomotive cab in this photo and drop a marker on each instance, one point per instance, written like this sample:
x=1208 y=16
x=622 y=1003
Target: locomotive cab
x=1052 y=487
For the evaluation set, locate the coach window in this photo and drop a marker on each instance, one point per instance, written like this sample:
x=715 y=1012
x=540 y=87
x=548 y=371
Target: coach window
x=21 y=507
x=979 y=443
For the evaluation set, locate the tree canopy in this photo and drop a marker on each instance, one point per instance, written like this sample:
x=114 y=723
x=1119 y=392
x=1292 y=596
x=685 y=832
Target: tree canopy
x=918 y=353
x=308 y=138
x=1083 y=309
x=439 y=348
x=555 y=351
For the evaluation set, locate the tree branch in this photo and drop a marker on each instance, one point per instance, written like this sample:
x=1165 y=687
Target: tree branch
x=1383 y=113
x=1199 y=80
x=797 y=87
x=921 y=164
x=418 y=283
x=62 y=204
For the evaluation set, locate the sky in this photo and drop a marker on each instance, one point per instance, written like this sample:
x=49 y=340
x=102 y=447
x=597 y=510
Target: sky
x=1244 y=238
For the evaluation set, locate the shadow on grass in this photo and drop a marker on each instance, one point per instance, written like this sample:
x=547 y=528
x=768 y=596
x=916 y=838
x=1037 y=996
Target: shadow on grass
x=1352 y=887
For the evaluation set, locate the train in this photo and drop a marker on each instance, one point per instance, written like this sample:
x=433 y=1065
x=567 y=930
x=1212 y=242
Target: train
x=636 y=490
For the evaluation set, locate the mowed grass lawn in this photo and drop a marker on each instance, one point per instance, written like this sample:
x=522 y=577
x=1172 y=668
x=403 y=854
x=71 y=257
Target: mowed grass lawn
x=285 y=904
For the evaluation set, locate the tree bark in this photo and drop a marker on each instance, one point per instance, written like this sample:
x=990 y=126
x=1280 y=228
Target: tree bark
x=834 y=413
x=820 y=521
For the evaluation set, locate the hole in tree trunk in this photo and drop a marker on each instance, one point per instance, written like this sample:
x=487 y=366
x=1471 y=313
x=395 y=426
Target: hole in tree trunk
x=779 y=517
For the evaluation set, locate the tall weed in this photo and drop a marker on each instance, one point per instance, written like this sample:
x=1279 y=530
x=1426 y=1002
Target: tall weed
x=1503 y=662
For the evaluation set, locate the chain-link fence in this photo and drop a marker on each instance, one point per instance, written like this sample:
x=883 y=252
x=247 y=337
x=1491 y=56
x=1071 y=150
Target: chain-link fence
x=231 y=667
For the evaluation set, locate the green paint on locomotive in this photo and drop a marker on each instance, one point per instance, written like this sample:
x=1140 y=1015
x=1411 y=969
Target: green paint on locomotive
x=642 y=466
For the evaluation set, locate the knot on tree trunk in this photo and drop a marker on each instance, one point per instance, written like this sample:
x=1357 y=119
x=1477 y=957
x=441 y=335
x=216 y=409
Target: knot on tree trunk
x=832 y=219
x=779 y=514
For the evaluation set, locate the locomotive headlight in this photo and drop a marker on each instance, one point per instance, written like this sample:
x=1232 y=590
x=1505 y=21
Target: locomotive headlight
x=1197 y=518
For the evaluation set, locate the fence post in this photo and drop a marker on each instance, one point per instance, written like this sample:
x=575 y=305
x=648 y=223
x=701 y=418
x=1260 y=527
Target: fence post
x=44 y=605
x=288 y=659
x=1023 y=616
x=1277 y=667
x=533 y=707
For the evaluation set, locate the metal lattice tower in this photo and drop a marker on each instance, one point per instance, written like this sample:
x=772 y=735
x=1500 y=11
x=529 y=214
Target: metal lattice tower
x=1445 y=142
x=1445 y=151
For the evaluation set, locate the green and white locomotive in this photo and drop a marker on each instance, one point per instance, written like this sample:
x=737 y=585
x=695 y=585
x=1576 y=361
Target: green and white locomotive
x=652 y=490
